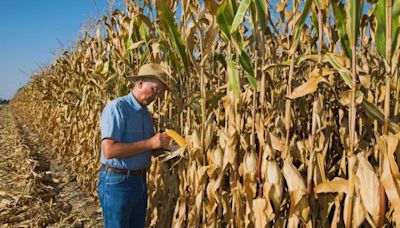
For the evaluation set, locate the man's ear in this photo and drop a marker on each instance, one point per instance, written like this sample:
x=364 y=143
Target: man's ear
x=139 y=83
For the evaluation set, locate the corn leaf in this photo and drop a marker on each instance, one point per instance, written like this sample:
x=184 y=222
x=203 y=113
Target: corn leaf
x=233 y=78
x=380 y=33
x=262 y=14
x=314 y=19
x=354 y=12
x=334 y=186
x=245 y=62
x=168 y=22
x=239 y=16
x=341 y=21
x=321 y=4
x=387 y=179
x=299 y=26
x=225 y=17
x=308 y=87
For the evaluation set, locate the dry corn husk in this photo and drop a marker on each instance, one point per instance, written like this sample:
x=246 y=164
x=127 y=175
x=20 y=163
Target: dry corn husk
x=297 y=190
x=262 y=211
x=369 y=187
x=274 y=180
x=358 y=216
x=250 y=162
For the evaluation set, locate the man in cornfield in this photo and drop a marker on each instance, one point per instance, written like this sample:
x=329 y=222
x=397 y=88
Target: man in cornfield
x=127 y=144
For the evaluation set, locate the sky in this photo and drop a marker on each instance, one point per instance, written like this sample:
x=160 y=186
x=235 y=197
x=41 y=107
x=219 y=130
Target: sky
x=31 y=30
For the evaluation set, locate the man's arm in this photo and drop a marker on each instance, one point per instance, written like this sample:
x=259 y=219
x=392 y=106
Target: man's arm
x=114 y=149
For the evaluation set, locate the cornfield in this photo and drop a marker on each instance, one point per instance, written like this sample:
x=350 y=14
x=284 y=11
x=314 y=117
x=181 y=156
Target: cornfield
x=290 y=109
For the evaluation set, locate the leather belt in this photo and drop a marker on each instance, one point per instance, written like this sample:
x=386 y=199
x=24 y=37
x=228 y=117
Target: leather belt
x=128 y=172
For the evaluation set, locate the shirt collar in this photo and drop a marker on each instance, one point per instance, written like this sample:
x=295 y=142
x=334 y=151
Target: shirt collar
x=135 y=104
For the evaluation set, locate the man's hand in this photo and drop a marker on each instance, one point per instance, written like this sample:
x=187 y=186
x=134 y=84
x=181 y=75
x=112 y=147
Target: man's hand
x=160 y=140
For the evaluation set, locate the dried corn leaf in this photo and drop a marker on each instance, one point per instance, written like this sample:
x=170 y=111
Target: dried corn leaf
x=336 y=185
x=310 y=86
x=389 y=183
x=392 y=143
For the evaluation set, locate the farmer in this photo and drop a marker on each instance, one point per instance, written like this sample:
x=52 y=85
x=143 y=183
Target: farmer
x=127 y=144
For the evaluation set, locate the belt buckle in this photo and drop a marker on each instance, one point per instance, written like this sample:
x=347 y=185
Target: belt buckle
x=129 y=172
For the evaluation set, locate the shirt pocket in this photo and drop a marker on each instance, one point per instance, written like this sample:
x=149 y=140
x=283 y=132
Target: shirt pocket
x=131 y=135
x=134 y=130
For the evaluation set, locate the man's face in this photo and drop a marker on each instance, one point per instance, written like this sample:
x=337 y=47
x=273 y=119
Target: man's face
x=149 y=90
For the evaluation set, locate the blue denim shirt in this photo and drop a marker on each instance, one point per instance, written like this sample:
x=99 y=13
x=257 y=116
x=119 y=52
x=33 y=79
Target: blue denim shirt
x=125 y=120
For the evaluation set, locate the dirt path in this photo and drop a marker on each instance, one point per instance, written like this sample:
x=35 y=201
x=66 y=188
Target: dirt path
x=35 y=190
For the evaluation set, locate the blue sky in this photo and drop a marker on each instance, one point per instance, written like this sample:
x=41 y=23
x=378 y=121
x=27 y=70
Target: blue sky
x=30 y=30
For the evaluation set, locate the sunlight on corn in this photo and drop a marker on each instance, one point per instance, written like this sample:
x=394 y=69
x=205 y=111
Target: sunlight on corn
x=290 y=110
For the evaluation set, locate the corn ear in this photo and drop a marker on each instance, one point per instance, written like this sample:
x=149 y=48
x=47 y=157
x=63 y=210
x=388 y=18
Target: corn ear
x=176 y=137
x=275 y=178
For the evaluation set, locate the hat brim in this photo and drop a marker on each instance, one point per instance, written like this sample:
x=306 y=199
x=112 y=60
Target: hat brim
x=137 y=77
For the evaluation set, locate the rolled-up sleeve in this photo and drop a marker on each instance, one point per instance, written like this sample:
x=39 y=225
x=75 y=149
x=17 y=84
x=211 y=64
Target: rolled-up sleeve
x=112 y=123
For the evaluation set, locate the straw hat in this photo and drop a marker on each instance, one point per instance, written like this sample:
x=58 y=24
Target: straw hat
x=154 y=71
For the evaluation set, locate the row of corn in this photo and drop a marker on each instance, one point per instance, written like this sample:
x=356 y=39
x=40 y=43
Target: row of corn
x=289 y=109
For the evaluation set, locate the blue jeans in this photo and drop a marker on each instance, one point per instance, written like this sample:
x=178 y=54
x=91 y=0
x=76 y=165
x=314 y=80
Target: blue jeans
x=123 y=199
